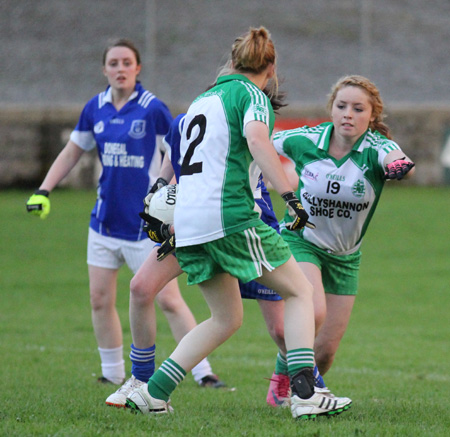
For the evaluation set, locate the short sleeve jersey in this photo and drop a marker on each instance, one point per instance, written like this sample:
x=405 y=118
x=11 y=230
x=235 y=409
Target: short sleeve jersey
x=340 y=196
x=261 y=194
x=215 y=195
x=126 y=142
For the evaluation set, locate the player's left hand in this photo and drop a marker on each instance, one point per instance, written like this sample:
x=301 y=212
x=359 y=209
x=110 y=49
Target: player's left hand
x=166 y=248
x=398 y=169
x=160 y=182
x=156 y=230
x=297 y=212
x=39 y=204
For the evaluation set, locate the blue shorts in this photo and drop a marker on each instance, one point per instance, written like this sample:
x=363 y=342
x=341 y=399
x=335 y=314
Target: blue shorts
x=255 y=290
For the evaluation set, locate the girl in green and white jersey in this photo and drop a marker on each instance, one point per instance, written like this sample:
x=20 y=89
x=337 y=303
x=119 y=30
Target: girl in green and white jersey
x=219 y=236
x=342 y=167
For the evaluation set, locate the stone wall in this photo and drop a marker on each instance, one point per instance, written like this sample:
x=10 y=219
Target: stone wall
x=30 y=140
x=51 y=65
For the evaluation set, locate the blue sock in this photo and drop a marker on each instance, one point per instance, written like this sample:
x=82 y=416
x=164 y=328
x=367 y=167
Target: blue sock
x=143 y=362
x=318 y=380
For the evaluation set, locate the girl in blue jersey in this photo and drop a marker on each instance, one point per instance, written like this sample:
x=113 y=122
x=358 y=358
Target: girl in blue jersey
x=124 y=123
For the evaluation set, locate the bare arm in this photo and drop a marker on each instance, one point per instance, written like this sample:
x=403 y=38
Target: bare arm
x=266 y=156
x=166 y=172
x=62 y=165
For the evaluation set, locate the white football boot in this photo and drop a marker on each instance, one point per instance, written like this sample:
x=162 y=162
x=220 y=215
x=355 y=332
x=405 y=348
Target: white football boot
x=118 y=398
x=140 y=400
x=319 y=404
x=308 y=402
x=326 y=392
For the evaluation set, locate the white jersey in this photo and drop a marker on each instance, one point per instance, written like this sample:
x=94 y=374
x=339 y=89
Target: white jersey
x=218 y=177
x=340 y=196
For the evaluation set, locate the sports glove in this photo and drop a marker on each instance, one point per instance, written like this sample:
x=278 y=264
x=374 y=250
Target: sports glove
x=156 y=230
x=398 y=169
x=297 y=212
x=160 y=182
x=39 y=204
x=166 y=248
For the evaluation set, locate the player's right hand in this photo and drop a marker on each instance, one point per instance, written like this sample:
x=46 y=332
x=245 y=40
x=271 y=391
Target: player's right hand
x=398 y=169
x=297 y=212
x=160 y=182
x=156 y=230
x=39 y=204
x=166 y=248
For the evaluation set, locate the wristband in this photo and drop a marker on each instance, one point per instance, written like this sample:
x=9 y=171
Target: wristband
x=42 y=193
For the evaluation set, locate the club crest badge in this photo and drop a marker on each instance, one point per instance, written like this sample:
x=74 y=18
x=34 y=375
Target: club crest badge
x=359 y=189
x=137 y=130
x=99 y=127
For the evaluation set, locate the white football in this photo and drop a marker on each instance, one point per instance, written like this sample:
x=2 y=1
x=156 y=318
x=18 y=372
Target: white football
x=162 y=204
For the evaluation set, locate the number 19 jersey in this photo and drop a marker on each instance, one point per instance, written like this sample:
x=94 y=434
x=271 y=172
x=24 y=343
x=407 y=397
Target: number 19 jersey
x=215 y=194
x=340 y=196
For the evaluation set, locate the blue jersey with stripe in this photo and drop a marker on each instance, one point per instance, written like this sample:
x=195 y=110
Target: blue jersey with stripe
x=172 y=143
x=126 y=142
x=253 y=289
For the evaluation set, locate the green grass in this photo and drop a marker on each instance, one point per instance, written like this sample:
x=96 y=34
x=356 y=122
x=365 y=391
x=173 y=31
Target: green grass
x=394 y=361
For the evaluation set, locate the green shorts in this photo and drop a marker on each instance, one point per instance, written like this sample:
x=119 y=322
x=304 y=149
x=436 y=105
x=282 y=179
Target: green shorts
x=242 y=255
x=340 y=273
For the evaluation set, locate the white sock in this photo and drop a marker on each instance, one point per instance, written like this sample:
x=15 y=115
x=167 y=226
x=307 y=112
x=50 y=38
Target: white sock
x=113 y=364
x=202 y=369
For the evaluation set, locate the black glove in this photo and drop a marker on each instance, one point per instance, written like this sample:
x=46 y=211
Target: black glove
x=297 y=212
x=160 y=182
x=156 y=230
x=398 y=169
x=166 y=248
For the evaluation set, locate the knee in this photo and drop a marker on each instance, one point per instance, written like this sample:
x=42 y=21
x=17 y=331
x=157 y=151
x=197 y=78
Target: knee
x=234 y=326
x=276 y=332
x=306 y=290
x=170 y=304
x=319 y=317
x=141 y=289
x=101 y=299
x=229 y=324
x=324 y=361
x=237 y=323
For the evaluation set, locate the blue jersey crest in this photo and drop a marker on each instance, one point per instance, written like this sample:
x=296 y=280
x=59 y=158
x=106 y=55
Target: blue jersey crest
x=137 y=130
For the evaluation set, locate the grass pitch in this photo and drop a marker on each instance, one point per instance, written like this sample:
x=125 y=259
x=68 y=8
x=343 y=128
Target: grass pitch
x=394 y=361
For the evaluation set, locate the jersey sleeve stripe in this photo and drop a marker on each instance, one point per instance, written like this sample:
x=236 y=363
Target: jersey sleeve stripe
x=146 y=98
x=258 y=98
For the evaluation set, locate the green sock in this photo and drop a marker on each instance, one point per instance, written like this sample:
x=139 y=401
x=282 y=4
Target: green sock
x=282 y=365
x=165 y=380
x=298 y=359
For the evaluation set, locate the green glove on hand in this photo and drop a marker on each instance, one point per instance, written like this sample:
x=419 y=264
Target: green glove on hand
x=39 y=204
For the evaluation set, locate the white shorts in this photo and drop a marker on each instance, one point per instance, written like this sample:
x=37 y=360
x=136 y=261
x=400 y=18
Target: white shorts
x=112 y=253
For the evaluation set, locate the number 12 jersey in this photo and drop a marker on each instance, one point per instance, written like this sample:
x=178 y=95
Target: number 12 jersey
x=218 y=175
